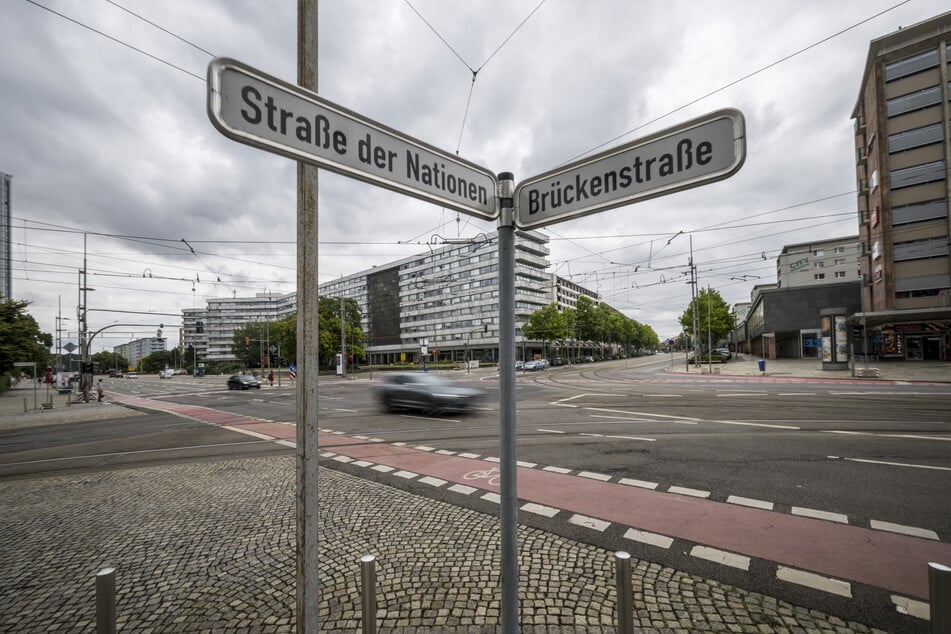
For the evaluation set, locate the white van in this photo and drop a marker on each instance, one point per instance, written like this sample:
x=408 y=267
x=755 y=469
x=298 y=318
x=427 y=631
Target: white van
x=166 y=374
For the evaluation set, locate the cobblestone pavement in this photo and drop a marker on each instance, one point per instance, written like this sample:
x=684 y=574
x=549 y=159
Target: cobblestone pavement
x=209 y=547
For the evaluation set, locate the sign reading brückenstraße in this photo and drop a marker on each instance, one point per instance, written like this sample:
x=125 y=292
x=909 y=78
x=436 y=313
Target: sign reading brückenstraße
x=700 y=151
x=257 y=109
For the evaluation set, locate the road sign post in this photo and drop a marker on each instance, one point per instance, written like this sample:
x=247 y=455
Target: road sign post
x=700 y=151
x=257 y=109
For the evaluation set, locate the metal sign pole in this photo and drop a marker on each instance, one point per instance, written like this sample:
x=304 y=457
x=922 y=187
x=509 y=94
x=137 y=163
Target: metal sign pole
x=509 y=492
x=308 y=598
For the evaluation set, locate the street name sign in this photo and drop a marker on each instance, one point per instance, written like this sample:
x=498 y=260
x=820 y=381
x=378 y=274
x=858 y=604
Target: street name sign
x=697 y=152
x=254 y=108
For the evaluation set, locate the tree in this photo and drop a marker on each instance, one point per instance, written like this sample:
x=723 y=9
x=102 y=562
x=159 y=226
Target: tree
x=20 y=338
x=546 y=324
x=110 y=360
x=328 y=315
x=285 y=333
x=713 y=315
x=586 y=319
x=158 y=360
x=248 y=344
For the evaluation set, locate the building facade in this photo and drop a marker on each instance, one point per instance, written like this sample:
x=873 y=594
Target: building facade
x=902 y=122
x=565 y=293
x=135 y=351
x=830 y=261
x=6 y=258
x=210 y=330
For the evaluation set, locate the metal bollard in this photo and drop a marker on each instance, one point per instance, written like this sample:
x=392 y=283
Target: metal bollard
x=625 y=600
x=368 y=600
x=106 y=601
x=939 y=594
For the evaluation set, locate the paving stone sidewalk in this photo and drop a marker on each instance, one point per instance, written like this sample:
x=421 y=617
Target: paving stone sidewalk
x=209 y=547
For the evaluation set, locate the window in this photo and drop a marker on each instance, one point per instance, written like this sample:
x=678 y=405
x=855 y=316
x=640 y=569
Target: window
x=818 y=252
x=819 y=265
x=840 y=274
x=911 y=65
x=819 y=276
x=913 y=101
x=919 y=212
x=917 y=175
x=921 y=249
x=918 y=137
x=839 y=261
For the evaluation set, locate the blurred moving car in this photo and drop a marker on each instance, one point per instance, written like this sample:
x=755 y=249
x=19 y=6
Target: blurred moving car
x=132 y=375
x=534 y=364
x=243 y=382
x=426 y=392
x=723 y=351
x=166 y=374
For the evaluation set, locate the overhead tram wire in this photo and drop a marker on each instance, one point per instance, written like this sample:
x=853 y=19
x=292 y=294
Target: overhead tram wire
x=735 y=82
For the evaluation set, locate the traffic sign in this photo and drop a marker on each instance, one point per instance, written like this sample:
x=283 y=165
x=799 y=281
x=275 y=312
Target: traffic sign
x=257 y=109
x=700 y=151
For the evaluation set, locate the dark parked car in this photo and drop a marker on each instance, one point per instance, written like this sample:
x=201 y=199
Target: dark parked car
x=242 y=382
x=425 y=392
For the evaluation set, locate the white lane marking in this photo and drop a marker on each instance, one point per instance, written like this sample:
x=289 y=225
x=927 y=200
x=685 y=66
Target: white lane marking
x=557 y=469
x=744 y=394
x=914 y=531
x=918 y=609
x=628 y=420
x=409 y=475
x=550 y=431
x=662 y=395
x=382 y=468
x=898 y=464
x=469 y=455
x=461 y=488
x=492 y=459
x=527 y=465
x=362 y=437
x=594 y=476
x=752 y=502
x=721 y=557
x=436 y=482
x=820 y=515
x=445 y=452
x=697 y=493
x=652 y=539
x=817 y=582
x=633 y=438
x=492 y=497
x=341 y=409
x=540 y=509
x=563 y=404
x=795 y=393
x=746 y=424
x=878 y=435
x=327 y=454
x=645 y=414
x=589 y=522
x=287 y=443
x=644 y=484
x=424 y=448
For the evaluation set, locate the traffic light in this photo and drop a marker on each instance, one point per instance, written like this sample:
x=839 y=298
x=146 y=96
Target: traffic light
x=87 y=367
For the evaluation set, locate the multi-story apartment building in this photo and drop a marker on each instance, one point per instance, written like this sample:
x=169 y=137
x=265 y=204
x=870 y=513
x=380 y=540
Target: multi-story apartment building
x=820 y=262
x=565 y=293
x=902 y=130
x=6 y=259
x=445 y=301
x=135 y=351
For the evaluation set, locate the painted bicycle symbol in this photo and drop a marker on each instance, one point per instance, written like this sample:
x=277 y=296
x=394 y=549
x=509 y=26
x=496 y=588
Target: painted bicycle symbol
x=492 y=475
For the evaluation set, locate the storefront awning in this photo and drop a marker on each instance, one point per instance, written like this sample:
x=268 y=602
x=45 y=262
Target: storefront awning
x=880 y=318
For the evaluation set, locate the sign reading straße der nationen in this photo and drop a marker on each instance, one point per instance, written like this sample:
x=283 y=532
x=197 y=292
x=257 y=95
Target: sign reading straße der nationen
x=700 y=151
x=257 y=109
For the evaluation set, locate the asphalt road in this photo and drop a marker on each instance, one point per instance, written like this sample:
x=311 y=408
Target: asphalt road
x=861 y=454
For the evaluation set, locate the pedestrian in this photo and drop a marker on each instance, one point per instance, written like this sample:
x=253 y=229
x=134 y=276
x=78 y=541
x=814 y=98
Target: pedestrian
x=99 y=390
x=270 y=378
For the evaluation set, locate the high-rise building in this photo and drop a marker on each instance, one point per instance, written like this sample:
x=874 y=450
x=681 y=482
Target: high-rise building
x=903 y=151
x=6 y=273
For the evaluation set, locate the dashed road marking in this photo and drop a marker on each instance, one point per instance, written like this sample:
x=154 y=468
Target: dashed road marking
x=436 y=482
x=919 y=609
x=820 y=515
x=382 y=468
x=589 y=522
x=408 y=475
x=814 y=581
x=697 y=493
x=492 y=497
x=594 y=476
x=362 y=463
x=644 y=484
x=904 y=530
x=343 y=459
x=561 y=470
x=461 y=488
x=540 y=509
x=721 y=557
x=751 y=502
x=652 y=539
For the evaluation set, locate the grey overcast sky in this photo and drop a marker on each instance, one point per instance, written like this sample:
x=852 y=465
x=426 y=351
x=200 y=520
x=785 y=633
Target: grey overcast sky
x=104 y=129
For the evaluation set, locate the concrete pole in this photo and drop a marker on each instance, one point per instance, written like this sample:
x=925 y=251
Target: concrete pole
x=507 y=451
x=308 y=597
